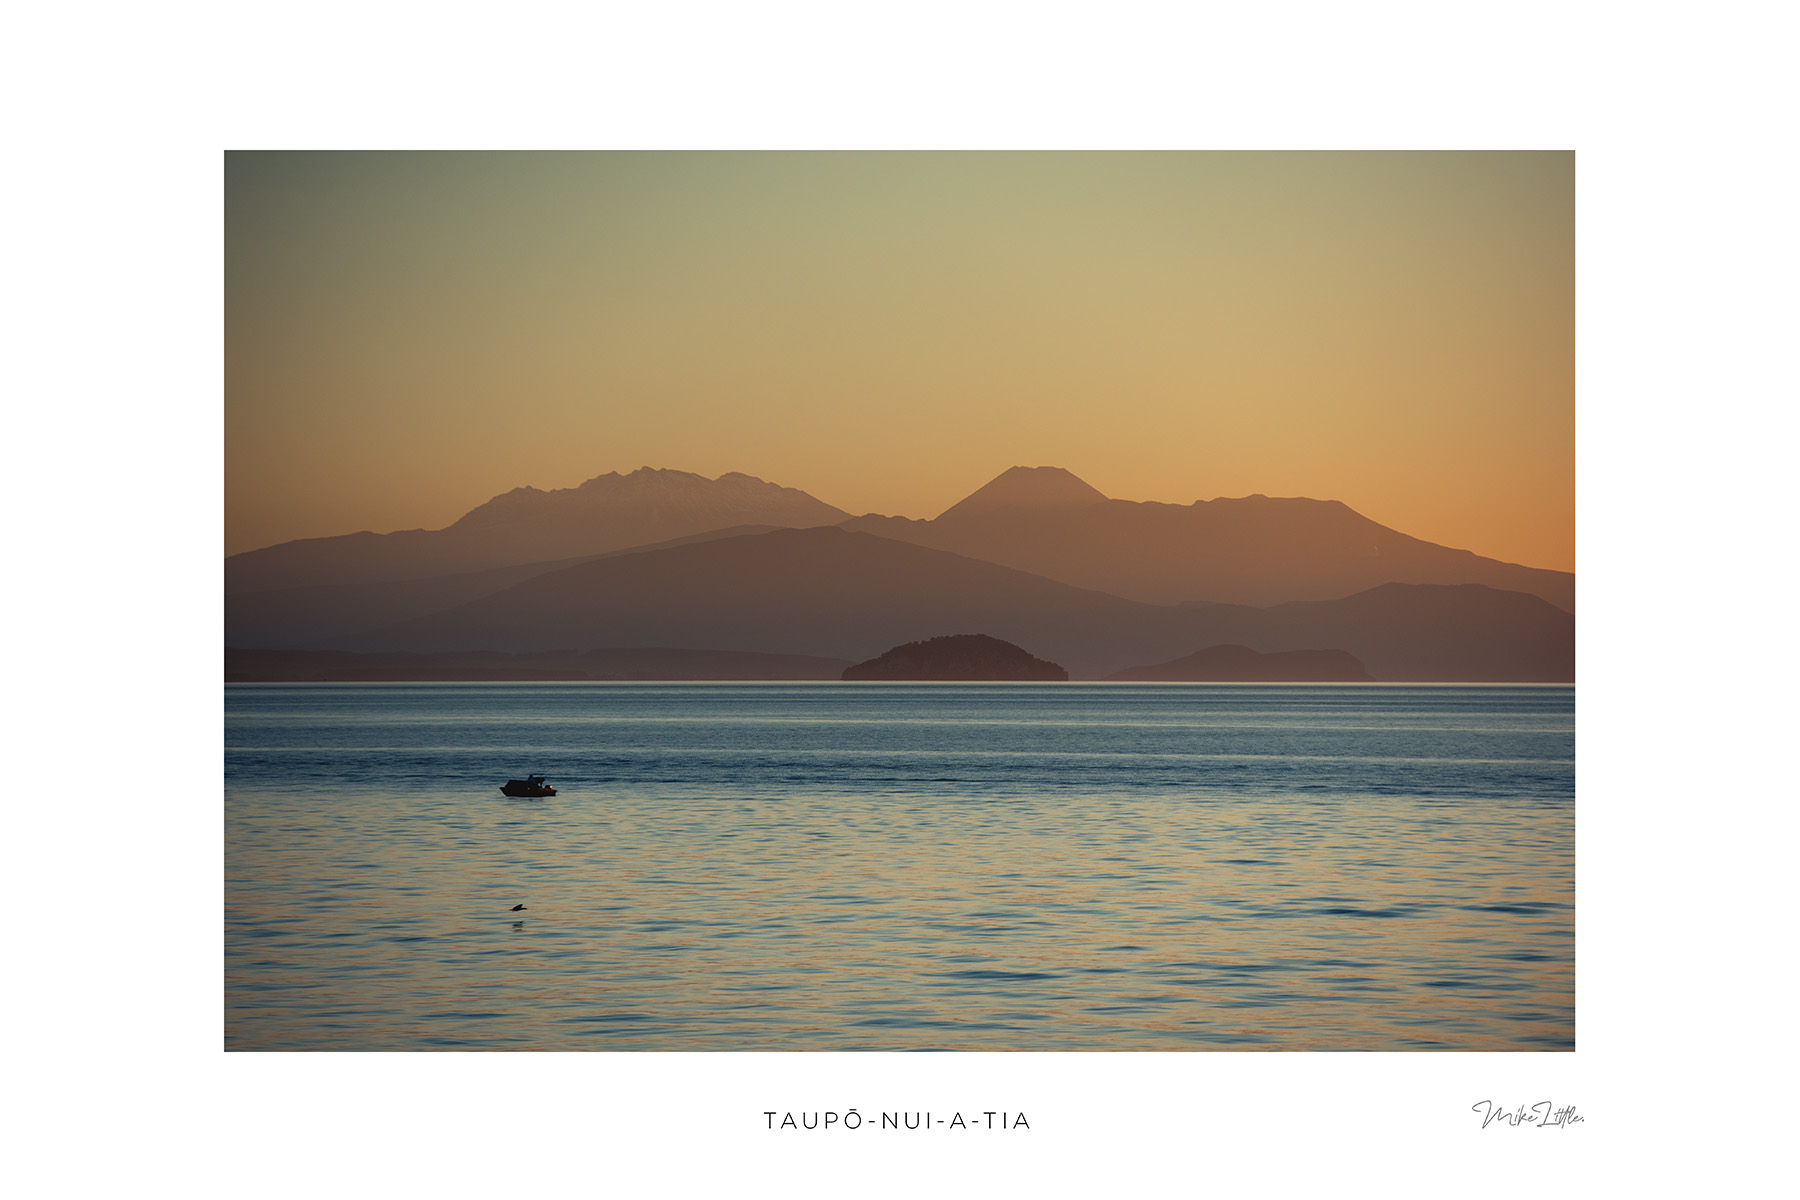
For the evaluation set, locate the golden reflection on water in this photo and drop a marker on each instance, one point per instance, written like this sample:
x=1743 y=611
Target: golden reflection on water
x=841 y=922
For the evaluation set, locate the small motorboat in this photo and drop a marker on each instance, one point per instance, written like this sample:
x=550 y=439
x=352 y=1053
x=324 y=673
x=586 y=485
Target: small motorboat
x=531 y=785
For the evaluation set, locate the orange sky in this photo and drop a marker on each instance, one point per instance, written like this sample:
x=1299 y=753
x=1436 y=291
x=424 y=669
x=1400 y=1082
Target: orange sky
x=410 y=334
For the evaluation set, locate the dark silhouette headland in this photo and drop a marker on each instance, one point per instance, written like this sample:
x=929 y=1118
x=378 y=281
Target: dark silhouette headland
x=964 y=656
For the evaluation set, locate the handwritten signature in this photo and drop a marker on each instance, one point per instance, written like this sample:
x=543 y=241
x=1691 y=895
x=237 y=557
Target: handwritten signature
x=1543 y=1114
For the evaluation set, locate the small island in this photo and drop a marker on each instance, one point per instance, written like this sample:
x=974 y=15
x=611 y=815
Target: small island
x=967 y=656
x=1240 y=664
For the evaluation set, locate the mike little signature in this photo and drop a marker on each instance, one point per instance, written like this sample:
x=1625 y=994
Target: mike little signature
x=1542 y=1114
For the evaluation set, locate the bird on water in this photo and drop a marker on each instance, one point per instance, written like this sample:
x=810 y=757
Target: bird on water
x=517 y=908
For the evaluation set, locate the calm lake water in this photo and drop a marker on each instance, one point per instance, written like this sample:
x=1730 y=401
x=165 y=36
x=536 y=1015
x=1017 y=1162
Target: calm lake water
x=802 y=866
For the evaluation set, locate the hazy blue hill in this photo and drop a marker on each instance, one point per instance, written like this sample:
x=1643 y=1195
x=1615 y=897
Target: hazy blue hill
x=1240 y=664
x=967 y=656
x=1256 y=550
x=526 y=525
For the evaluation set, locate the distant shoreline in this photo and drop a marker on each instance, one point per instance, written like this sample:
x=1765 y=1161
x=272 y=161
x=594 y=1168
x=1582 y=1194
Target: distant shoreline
x=657 y=666
x=478 y=666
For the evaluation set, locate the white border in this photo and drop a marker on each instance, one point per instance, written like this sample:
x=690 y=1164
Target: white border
x=114 y=213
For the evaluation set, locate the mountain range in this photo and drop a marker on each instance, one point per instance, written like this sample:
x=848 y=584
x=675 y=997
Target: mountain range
x=525 y=525
x=659 y=559
x=1251 y=550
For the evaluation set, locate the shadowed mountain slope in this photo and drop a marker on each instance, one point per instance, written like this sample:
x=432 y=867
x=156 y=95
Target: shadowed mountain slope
x=823 y=591
x=835 y=593
x=285 y=618
x=1464 y=633
x=1253 y=550
x=525 y=525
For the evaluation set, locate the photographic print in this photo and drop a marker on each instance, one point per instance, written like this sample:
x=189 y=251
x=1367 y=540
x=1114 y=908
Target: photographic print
x=898 y=601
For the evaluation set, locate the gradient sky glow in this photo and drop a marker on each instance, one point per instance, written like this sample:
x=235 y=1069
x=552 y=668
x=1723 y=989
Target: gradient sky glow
x=409 y=334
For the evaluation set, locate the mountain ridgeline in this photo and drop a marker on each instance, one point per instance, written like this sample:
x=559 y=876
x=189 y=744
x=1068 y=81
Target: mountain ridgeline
x=664 y=560
x=607 y=513
x=1251 y=550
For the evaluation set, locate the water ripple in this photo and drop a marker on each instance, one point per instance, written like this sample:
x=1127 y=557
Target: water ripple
x=786 y=867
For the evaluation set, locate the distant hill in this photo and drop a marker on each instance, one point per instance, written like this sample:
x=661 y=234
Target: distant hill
x=835 y=593
x=1432 y=632
x=1240 y=664
x=968 y=656
x=286 y=618
x=286 y=666
x=1254 y=550
x=526 y=525
x=823 y=591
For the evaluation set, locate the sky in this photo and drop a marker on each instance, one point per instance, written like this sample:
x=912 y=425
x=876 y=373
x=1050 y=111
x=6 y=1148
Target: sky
x=410 y=334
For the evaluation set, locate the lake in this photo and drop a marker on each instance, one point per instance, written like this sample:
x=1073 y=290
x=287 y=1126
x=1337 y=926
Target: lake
x=918 y=866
